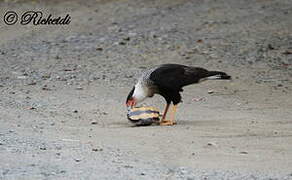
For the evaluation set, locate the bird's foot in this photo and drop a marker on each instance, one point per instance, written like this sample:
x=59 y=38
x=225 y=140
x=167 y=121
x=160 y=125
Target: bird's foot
x=167 y=123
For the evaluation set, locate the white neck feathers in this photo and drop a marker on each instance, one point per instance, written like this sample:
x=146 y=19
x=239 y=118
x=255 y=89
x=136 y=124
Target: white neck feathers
x=140 y=92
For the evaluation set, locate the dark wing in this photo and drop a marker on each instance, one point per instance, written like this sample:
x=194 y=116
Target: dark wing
x=175 y=76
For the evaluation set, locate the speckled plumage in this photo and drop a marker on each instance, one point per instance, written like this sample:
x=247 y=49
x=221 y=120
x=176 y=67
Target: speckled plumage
x=145 y=77
x=146 y=83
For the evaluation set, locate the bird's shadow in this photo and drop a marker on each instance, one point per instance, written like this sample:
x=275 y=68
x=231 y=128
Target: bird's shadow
x=128 y=125
x=196 y=123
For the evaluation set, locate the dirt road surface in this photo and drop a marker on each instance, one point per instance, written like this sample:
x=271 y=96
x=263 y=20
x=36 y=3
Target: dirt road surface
x=63 y=90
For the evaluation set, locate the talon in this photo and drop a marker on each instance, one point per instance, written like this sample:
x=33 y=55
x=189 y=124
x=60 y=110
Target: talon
x=167 y=123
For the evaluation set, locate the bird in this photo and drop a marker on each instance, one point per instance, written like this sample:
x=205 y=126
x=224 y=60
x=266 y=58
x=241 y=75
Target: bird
x=168 y=81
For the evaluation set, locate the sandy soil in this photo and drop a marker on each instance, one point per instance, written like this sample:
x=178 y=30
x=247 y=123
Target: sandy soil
x=63 y=90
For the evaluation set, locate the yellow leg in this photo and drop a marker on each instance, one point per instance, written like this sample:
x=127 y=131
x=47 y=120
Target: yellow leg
x=171 y=121
x=165 y=112
x=172 y=116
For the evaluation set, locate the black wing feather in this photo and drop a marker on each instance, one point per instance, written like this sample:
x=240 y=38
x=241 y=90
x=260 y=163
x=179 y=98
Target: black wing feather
x=173 y=77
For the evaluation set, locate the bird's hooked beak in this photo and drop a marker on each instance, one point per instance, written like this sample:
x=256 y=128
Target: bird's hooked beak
x=131 y=102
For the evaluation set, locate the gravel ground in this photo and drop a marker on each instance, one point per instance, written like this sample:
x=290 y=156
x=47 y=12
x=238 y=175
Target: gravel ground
x=63 y=90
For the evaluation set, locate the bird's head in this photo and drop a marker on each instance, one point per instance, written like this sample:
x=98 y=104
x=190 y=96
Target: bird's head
x=131 y=101
x=136 y=95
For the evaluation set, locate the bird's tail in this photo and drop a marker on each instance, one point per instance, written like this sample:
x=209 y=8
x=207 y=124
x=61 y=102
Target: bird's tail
x=217 y=75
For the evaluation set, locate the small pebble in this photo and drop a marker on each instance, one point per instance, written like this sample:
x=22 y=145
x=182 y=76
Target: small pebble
x=104 y=113
x=31 y=83
x=21 y=77
x=43 y=148
x=211 y=144
x=97 y=149
x=271 y=47
x=94 y=122
x=46 y=88
x=79 y=88
x=126 y=39
x=128 y=166
x=287 y=52
x=77 y=160
x=243 y=152
x=46 y=77
x=32 y=108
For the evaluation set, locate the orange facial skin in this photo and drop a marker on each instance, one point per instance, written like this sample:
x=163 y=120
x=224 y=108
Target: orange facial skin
x=131 y=102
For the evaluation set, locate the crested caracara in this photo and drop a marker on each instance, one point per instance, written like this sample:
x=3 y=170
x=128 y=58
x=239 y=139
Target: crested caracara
x=168 y=81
